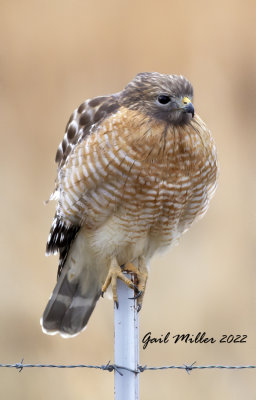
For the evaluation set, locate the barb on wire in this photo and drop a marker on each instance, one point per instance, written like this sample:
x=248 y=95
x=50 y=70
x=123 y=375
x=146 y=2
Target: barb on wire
x=113 y=367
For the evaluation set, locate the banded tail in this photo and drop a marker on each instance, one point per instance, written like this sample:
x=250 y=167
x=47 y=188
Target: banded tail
x=72 y=303
x=79 y=282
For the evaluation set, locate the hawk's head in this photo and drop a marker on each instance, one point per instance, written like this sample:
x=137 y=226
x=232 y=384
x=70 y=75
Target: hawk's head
x=161 y=96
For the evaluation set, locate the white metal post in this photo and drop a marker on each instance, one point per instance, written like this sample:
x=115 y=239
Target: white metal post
x=126 y=343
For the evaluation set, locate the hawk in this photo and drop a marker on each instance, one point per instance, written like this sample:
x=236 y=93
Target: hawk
x=135 y=170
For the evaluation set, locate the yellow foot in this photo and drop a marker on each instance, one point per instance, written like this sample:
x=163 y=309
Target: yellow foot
x=114 y=273
x=141 y=276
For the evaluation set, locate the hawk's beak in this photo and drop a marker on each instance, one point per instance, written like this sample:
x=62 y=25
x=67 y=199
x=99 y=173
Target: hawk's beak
x=188 y=106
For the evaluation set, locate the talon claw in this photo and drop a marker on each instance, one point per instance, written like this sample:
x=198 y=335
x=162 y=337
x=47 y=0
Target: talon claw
x=136 y=296
x=139 y=276
x=136 y=288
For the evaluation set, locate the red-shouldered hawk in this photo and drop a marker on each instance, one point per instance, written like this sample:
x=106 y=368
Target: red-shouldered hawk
x=135 y=169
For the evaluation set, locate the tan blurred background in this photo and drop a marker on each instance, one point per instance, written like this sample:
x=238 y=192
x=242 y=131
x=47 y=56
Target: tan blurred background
x=53 y=55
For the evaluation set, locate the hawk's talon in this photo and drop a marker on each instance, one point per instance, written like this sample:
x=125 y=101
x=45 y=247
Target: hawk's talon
x=114 y=273
x=137 y=295
x=141 y=274
x=102 y=294
x=134 y=287
x=139 y=307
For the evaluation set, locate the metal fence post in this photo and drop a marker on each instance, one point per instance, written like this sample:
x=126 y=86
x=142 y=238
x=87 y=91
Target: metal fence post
x=126 y=343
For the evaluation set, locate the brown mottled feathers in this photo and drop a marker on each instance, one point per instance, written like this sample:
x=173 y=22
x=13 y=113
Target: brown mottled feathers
x=82 y=121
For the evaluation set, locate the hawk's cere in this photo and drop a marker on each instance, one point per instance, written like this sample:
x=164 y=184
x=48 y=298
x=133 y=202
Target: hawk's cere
x=135 y=169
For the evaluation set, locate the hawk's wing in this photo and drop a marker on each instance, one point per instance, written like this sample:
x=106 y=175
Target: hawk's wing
x=81 y=124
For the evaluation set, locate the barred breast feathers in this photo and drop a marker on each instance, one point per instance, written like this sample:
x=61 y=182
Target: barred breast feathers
x=147 y=149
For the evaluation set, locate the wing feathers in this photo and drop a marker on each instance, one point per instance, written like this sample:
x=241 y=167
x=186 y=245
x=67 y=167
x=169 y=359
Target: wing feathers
x=60 y=238
x=79 y=126
x=69 y=308
x=82 y=120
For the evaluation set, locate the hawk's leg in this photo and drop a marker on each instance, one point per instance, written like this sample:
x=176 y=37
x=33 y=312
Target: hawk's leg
x=115 y=272
x=141 y=274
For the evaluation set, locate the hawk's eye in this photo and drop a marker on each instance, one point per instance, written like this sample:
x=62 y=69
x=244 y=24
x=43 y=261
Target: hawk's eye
x=163 y=99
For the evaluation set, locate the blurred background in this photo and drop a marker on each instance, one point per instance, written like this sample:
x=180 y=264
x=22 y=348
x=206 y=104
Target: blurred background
x=53 y=55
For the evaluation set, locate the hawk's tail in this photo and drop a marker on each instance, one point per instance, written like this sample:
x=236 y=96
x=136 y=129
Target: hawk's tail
x=72 y=301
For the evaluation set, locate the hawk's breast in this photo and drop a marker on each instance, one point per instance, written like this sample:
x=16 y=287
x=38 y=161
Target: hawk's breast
x=142 y=178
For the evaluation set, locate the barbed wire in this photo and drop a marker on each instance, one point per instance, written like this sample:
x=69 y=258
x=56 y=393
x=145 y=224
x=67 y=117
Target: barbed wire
x=113 y=367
